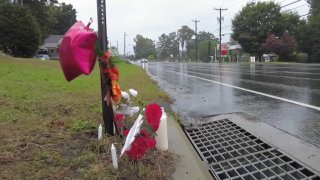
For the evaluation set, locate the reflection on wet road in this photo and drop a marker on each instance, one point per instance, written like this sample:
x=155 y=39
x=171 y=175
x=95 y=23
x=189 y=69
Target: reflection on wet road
x=198 y=93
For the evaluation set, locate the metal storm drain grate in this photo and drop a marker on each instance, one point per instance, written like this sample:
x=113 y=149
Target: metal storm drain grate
x=233 y=153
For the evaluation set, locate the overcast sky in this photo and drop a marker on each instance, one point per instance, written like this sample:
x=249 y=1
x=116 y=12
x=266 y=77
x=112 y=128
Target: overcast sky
x=151 y=18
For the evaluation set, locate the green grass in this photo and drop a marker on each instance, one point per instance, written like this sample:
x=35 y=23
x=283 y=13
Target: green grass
x=48 y=125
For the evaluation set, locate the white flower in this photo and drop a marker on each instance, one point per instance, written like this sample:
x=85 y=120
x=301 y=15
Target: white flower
x=133 y=92
x=125 y=95
x=134 y=110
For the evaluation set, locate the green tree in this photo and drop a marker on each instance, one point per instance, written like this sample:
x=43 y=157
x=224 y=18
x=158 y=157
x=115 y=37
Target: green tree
x=206 y=49
x=168 y=45
x=314 y=8
x=151 y=58
x=184 y=34
x=291 y=23
x=19 y=31
x=65 y=16
x=205 y=36
x=144 y=47
x=44 y=2
x=52 y=17
x=310 y=35
x=206 y=44
x=44 y=14
x=254 y=22
x=4 y=1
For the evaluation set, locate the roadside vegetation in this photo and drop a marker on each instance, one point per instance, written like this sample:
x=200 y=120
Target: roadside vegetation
x=49 y=126
x=261 y=28
x=25 y=24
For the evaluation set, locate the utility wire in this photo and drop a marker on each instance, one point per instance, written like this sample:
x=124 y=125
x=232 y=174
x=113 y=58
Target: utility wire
x=290 y=3
x=295 y=8
x=262 y=15
x=282 y=1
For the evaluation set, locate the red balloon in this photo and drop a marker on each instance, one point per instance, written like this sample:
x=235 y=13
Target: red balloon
x=77 y=51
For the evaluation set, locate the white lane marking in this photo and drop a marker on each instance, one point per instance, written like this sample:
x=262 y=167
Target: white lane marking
x=252 y=91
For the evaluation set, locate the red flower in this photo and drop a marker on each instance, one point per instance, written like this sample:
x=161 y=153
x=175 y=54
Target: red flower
x=114 y=73
x=153 y=115
x=126 y=132
x=142 y=143
x=119 y=119
x=138 y=148
x=151 y=143
x=106 y=57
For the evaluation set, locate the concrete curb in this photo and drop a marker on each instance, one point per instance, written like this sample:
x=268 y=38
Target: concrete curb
x=189 y=165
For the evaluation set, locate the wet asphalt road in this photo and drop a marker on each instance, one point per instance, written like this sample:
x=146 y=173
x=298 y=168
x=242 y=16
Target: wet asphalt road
x=197 y=92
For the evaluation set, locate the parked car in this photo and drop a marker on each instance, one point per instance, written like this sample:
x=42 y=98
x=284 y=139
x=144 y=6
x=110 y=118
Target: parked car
x=41 y=57
x=144 y=60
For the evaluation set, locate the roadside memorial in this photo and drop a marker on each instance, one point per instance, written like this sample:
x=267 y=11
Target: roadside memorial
x=79 y=51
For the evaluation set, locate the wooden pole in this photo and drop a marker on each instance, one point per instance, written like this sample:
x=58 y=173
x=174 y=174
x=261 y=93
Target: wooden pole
x=107 y=110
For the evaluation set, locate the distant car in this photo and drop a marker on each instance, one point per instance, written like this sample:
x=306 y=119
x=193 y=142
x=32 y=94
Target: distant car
x=144 y=60
x=41 y=57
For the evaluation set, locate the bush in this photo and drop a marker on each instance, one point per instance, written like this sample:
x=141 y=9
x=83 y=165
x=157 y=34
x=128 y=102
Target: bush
x=117 y=59
x=300 y=57
x=151 y=57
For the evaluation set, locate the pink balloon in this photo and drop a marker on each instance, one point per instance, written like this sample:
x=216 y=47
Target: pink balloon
x=77 y=51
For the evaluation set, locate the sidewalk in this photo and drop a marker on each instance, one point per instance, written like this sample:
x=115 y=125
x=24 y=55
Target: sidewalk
x=189 y=165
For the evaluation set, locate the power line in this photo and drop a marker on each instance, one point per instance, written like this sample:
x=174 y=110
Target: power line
x=290 y=3
x=282 y=1
x=262 y=15
x=295 y=8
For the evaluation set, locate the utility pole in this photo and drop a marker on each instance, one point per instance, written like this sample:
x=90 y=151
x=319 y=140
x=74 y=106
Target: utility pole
x=220 y=22
x=178 y=43
x=196 y=31
x=124 y=44
x=154 y=49
x=107 y=110
x=117 y=48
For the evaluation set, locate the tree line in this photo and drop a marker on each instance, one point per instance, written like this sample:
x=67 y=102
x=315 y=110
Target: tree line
x=263 y=28
x=25 y=24
x=259 y=27
x=178 y=45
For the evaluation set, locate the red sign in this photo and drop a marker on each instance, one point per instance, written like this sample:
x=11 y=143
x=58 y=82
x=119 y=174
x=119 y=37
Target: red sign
x=224 y=52
x=224 y=46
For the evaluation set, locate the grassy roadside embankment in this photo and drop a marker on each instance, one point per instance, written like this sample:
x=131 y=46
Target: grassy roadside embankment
x=48 y=126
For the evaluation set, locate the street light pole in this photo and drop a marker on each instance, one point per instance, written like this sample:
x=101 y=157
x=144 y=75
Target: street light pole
x=107 y=110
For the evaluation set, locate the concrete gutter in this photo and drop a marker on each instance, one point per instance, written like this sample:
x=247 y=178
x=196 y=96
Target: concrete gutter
x=189 y=165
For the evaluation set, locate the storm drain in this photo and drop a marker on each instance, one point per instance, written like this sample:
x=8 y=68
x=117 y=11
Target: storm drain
x=233 y=153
